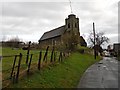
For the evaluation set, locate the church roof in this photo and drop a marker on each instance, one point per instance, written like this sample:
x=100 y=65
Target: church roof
x=53 y=33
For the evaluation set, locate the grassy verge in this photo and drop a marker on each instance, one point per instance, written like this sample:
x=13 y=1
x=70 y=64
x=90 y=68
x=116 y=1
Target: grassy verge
x=61 y=75
x=7 y=62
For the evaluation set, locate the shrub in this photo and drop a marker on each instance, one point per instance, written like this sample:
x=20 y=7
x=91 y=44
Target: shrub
x=82 y=49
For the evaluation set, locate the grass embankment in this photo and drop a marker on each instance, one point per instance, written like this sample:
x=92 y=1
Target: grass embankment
x=61 y=75
x=7 y=62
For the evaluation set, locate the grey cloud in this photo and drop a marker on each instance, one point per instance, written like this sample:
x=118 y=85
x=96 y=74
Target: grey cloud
x=101 y=17
x=28 y=18
x=32 y=9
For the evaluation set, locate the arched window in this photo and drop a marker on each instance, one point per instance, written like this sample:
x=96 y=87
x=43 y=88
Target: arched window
x=68 y=25
x=75 y=25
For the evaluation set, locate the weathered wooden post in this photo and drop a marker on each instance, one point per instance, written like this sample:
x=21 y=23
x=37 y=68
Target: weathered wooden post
x=0 y=58
x=13 y=66
x=54 y=56
x=51 y=60
x=60 y=57
x=45 y=56
x=39 y=60
x=17 y=75
x=29 y=64
x=64 y=54
x=28 y=51
x=13 y=77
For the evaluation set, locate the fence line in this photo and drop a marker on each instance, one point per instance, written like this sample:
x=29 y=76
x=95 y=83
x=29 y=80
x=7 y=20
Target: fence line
x=53 y=58
x=29 y=64
x=39 y=60
x=13 y=66
x=5 y=56
x=28 y=51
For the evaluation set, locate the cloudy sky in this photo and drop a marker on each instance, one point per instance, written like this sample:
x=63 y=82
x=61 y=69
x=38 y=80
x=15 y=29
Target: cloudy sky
x=28 y=20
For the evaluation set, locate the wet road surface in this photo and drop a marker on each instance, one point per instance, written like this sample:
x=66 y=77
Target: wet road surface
x=103 y=74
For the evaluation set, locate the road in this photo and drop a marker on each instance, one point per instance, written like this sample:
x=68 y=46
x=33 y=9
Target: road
x=103 y=74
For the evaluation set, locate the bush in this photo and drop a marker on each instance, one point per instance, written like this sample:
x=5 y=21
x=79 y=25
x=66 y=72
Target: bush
x=82 y=49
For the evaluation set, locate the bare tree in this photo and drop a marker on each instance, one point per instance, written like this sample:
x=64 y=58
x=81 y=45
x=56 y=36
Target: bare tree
x=100 y=39
x=13 y=42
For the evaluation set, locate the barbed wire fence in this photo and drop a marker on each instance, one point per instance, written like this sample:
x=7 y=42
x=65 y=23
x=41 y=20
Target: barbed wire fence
x=21 y=63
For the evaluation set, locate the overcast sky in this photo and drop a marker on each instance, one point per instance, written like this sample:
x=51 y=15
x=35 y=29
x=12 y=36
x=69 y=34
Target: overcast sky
x=29 y=20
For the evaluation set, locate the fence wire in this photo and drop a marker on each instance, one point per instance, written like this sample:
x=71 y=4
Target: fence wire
x=10 y=63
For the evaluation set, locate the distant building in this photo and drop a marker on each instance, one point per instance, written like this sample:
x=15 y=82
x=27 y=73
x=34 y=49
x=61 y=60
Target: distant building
x=110 y=50
x=54 y=36
x=110 y=47
x=116 y=47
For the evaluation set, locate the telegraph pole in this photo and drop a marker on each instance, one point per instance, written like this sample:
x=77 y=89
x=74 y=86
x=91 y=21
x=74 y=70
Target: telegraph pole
x=94 y=40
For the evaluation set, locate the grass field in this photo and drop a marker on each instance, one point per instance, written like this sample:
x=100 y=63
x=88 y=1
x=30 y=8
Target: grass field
x=60 y=75
x=7 y=62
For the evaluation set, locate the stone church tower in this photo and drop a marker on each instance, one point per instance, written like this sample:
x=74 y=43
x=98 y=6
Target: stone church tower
x=72 y=24
x=59 y=35
x=71 y=36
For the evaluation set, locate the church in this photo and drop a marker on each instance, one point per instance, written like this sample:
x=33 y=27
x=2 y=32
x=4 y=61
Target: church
x=55 y=36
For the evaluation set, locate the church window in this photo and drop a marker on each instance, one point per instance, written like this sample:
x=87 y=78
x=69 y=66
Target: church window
x=68 y=25
x=75 y=25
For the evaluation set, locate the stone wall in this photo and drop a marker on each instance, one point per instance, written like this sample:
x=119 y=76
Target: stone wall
x=50 y=42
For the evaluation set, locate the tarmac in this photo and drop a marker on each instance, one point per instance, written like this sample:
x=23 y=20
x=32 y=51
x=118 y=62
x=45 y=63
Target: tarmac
x=103 y=74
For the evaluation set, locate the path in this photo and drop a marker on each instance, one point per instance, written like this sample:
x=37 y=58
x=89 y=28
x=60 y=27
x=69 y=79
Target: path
x=101 y=75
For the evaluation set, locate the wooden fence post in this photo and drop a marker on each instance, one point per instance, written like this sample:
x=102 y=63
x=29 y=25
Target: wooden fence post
x=13 y=77
x=29 y=64
x=64 y=54
x=13 y=66
x=59 y=57
x=55 y=56
x=45 y=56
x=28 y=51
x=51 y=60
x=39 y=60
x=20 y=58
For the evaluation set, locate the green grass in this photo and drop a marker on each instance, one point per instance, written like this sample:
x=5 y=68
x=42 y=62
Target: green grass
x=7 y=62
x=64 y=75
x=60 y=75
